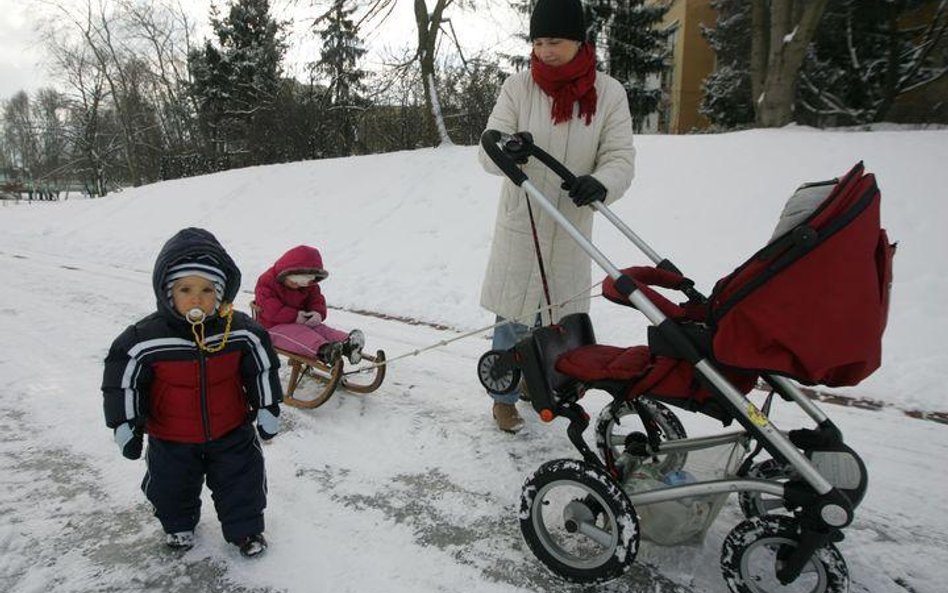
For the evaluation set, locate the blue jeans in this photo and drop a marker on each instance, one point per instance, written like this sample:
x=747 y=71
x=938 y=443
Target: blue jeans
x=505 y=337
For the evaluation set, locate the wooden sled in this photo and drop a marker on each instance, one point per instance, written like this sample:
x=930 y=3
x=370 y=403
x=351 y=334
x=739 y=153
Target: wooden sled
x=329 y=377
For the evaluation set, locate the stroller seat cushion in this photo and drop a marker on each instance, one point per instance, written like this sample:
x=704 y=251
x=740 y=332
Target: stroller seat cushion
x=598 y=362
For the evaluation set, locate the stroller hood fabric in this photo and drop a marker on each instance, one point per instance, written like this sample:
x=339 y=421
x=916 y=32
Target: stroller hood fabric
x=812 y=305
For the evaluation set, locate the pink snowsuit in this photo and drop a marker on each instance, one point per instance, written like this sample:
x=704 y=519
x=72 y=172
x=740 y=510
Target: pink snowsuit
x=280 y=304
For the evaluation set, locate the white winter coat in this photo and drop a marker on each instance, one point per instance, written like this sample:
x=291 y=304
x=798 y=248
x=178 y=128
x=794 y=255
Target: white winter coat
x=512 y=285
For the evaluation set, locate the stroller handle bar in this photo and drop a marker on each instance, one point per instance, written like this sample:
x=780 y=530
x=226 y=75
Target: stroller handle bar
x=747 y=411
x=492 y=140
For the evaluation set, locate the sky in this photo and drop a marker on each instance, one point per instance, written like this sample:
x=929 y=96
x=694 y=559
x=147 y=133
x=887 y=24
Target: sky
x=412 y=489
x=486 y=29
x=19 y=54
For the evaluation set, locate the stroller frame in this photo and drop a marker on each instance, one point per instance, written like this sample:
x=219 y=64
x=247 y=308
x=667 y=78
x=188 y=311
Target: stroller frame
x=824 y=508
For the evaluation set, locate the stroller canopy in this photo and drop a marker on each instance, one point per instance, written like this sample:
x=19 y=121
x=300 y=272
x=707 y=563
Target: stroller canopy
x=812 y=304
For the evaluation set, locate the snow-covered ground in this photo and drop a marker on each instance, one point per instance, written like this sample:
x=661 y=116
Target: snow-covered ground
x=412 y=488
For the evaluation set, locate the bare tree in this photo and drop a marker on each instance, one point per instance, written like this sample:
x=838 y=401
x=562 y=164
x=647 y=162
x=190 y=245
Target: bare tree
x=19 y=133
x=49 y=111
x=781 y=32
x=91 y=145
x=429 y=25
x=165 y=33
x=909 y=68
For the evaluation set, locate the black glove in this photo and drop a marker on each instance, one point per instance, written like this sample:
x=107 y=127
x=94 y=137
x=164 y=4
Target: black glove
x=129 y=438
x=518 y=147
x=586 y=190
x=268 y=422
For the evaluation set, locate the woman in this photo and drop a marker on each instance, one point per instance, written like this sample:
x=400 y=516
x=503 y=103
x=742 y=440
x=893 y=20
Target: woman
x=581 y=117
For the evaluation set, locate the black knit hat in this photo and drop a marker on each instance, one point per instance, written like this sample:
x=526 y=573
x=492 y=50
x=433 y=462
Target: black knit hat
x=562 y=19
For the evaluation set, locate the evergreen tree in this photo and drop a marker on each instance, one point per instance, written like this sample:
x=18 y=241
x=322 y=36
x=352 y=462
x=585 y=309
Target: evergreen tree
x=338 y=60
x=862 y=59
x=236 y=82
x=470 y=93
x=727 y=90
x=636 y=49
x=626 y=34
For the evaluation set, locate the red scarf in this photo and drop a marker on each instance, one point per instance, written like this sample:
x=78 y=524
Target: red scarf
x=569 y=83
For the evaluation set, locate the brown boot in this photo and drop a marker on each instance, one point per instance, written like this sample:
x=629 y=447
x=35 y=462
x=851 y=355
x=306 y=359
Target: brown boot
x=507 y=417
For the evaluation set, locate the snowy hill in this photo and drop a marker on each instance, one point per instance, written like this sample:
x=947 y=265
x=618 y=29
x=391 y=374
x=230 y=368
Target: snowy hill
x=408 y=233
x=412 y=489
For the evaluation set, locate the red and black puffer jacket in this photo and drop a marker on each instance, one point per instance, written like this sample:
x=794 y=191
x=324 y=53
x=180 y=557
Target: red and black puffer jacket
x=157 y=377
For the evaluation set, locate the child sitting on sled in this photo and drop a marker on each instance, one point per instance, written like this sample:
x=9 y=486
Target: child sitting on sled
x=293 y=309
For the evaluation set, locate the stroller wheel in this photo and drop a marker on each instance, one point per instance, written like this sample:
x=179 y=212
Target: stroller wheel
x=497 y=373
x=752 y=554
x=578 y=521
x=613 y=429
x=755 y=504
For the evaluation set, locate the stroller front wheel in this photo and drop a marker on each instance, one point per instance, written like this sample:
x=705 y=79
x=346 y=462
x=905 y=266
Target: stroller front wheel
x=578 y=521
x=754 y=504
x=753 y=553
x=614 y=427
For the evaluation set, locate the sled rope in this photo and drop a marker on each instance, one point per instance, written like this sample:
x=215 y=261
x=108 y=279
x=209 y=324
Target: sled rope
x=580 y=296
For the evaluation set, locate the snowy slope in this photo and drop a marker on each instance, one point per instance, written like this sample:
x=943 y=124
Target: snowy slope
x=412 y=489
x=408 y=233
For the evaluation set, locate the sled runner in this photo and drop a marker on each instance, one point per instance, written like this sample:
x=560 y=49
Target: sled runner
x=810 y=307
x=327 y=376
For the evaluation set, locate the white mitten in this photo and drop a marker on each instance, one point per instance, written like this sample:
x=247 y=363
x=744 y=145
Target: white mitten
x=314 y=319
x=302 y=316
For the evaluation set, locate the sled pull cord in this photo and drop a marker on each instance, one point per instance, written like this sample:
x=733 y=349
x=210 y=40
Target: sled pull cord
x=196 y=318
x=584 y=294
x=536 y=246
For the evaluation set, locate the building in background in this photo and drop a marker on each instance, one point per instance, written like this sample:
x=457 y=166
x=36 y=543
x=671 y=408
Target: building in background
x=691 y=59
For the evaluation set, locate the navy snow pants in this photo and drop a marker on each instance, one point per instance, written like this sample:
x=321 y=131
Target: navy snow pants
x=233 y=465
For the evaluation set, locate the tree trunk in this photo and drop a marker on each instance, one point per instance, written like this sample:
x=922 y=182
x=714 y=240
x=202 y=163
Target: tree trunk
x=759 y=44
x=788 y=41
x=428 y=27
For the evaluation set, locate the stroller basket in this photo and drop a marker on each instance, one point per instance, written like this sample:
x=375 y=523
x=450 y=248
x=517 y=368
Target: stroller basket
x=684 y=520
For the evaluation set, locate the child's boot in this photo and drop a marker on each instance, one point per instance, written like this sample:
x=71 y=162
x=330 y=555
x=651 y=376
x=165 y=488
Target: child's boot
x=330 y=352
x=352 y=347
x=252 y=545
x=182 y=540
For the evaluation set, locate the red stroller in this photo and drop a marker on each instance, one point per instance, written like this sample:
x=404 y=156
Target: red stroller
x=810 y=306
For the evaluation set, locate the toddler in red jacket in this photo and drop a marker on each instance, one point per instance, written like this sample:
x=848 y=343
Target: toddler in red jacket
x=293 y=309
x=194 y=375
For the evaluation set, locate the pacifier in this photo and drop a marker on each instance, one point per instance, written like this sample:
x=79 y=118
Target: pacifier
x=195 y=315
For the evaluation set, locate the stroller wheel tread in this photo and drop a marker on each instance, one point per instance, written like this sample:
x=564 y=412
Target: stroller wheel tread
x=668 y=425
x=750 y=557
x=755 y=504
x=578 y=521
